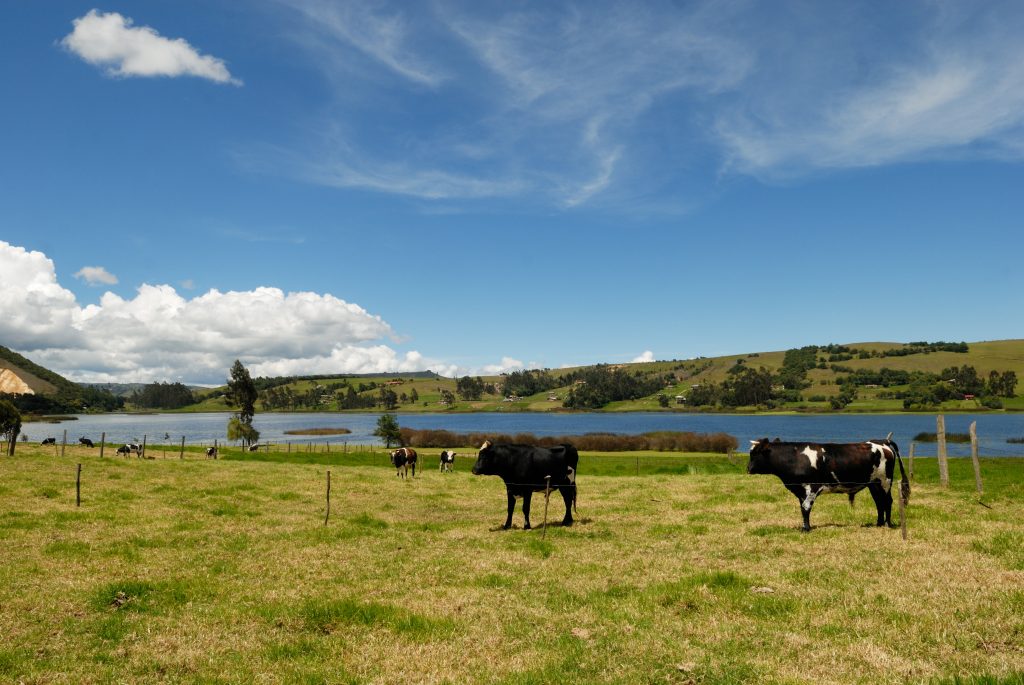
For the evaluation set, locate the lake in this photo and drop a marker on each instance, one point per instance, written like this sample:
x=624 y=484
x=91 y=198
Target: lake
x=993 y=429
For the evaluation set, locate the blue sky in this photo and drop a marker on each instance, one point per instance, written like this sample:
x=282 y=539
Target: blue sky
x=315 y=186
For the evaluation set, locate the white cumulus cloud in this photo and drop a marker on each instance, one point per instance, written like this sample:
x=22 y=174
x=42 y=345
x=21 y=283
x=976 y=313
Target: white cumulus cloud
x=110 y=40
x=647 y=356
x=96 y=275
x=160 y=335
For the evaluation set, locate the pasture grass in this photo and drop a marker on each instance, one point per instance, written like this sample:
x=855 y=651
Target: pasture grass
x=222 y=571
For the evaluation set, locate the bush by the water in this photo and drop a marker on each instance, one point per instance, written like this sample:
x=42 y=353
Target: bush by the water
x=950 y=437
x=662 y=441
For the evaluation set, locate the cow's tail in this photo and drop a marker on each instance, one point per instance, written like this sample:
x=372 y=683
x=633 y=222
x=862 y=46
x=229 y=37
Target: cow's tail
x=905 y=483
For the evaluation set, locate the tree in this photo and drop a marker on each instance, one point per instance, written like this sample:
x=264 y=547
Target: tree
x=10 y=425
x=447 y=398
x=388 y=429
x=238 y=430
x=388 y=398
x=242 y=393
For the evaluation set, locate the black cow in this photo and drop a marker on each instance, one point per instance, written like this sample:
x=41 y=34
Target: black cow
x=808 y=469
x=49 y=441
x=525 y=469
x=447 y=460
x=86 y=442
x=403 y=459
x=211 y=452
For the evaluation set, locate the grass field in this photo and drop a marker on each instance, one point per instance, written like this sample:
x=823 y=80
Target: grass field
x=203 y=571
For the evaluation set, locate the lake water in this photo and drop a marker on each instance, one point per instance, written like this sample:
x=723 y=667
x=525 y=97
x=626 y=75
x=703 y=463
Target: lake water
x=993 y=429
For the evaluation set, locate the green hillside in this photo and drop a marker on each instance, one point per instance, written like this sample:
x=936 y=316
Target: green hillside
x=550 y=389
x=51 y=392
x=851 y=377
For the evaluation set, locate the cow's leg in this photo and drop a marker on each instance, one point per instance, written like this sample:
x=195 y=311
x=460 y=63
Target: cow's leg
x=883 y=503
x=511 y=508
x=527 y=496
x=567 y=493
x=806 y=494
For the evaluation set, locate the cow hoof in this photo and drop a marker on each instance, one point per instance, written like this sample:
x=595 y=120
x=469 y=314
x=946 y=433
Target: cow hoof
x=526 y=527
x=506 y=526
x=567 y=523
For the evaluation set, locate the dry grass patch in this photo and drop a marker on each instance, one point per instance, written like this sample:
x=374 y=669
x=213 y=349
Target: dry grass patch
x=223 y=571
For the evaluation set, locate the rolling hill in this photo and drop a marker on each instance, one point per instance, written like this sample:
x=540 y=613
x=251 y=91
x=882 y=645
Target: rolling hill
x=547 y=390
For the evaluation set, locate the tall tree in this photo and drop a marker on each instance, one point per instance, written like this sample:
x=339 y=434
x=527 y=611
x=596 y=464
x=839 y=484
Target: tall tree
x=10 y=426
x=388 y=429
x=242 y=393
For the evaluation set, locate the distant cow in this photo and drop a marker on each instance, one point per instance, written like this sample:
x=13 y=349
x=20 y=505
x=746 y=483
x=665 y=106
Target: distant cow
x=124 y=449
x=447 y=460
x=525 y=469
x=86 y=442
x=809 y=469
x=211 y=452
x=49 y=441
x=253 y=447
x=403 y=459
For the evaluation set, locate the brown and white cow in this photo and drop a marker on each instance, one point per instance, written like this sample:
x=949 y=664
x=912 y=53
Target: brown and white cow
x=403 y=459
x=809 y=469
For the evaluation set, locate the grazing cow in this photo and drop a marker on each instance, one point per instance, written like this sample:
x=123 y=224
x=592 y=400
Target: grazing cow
x=211 y=452
x=447 y=460
x=809 y=469
x=253 y=447
x=403 y=459
x=86 y=442
x=136 y=448
x=525 y=469
x=124 y=449
x=49 y=441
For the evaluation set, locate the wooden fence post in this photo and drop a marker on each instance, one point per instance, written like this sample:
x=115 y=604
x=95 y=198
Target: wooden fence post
x=143 y=455
x=78 y=486
x=181 y=453
x=216 y=454
x=974 y=455
x=64 y=442
x=103 y=440
x=912 y=445
x=903 y=514
x=940 y=429
x=328 y=497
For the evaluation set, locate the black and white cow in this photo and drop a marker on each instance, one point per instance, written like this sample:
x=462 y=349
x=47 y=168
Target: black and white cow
x=808 y=469
x=403 y=459
x=447 y=460
x=124 y=449
x=525 y=470
x=49 y=441
x=86 y=442
x=211 y=452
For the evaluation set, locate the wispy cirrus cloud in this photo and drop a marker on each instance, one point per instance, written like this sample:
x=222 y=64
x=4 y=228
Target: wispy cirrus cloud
x=575 y=105
x=111 y=40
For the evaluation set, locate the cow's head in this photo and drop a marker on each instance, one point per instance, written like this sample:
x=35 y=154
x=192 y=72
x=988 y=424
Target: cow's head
x=760 y=455
x=486 y=460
